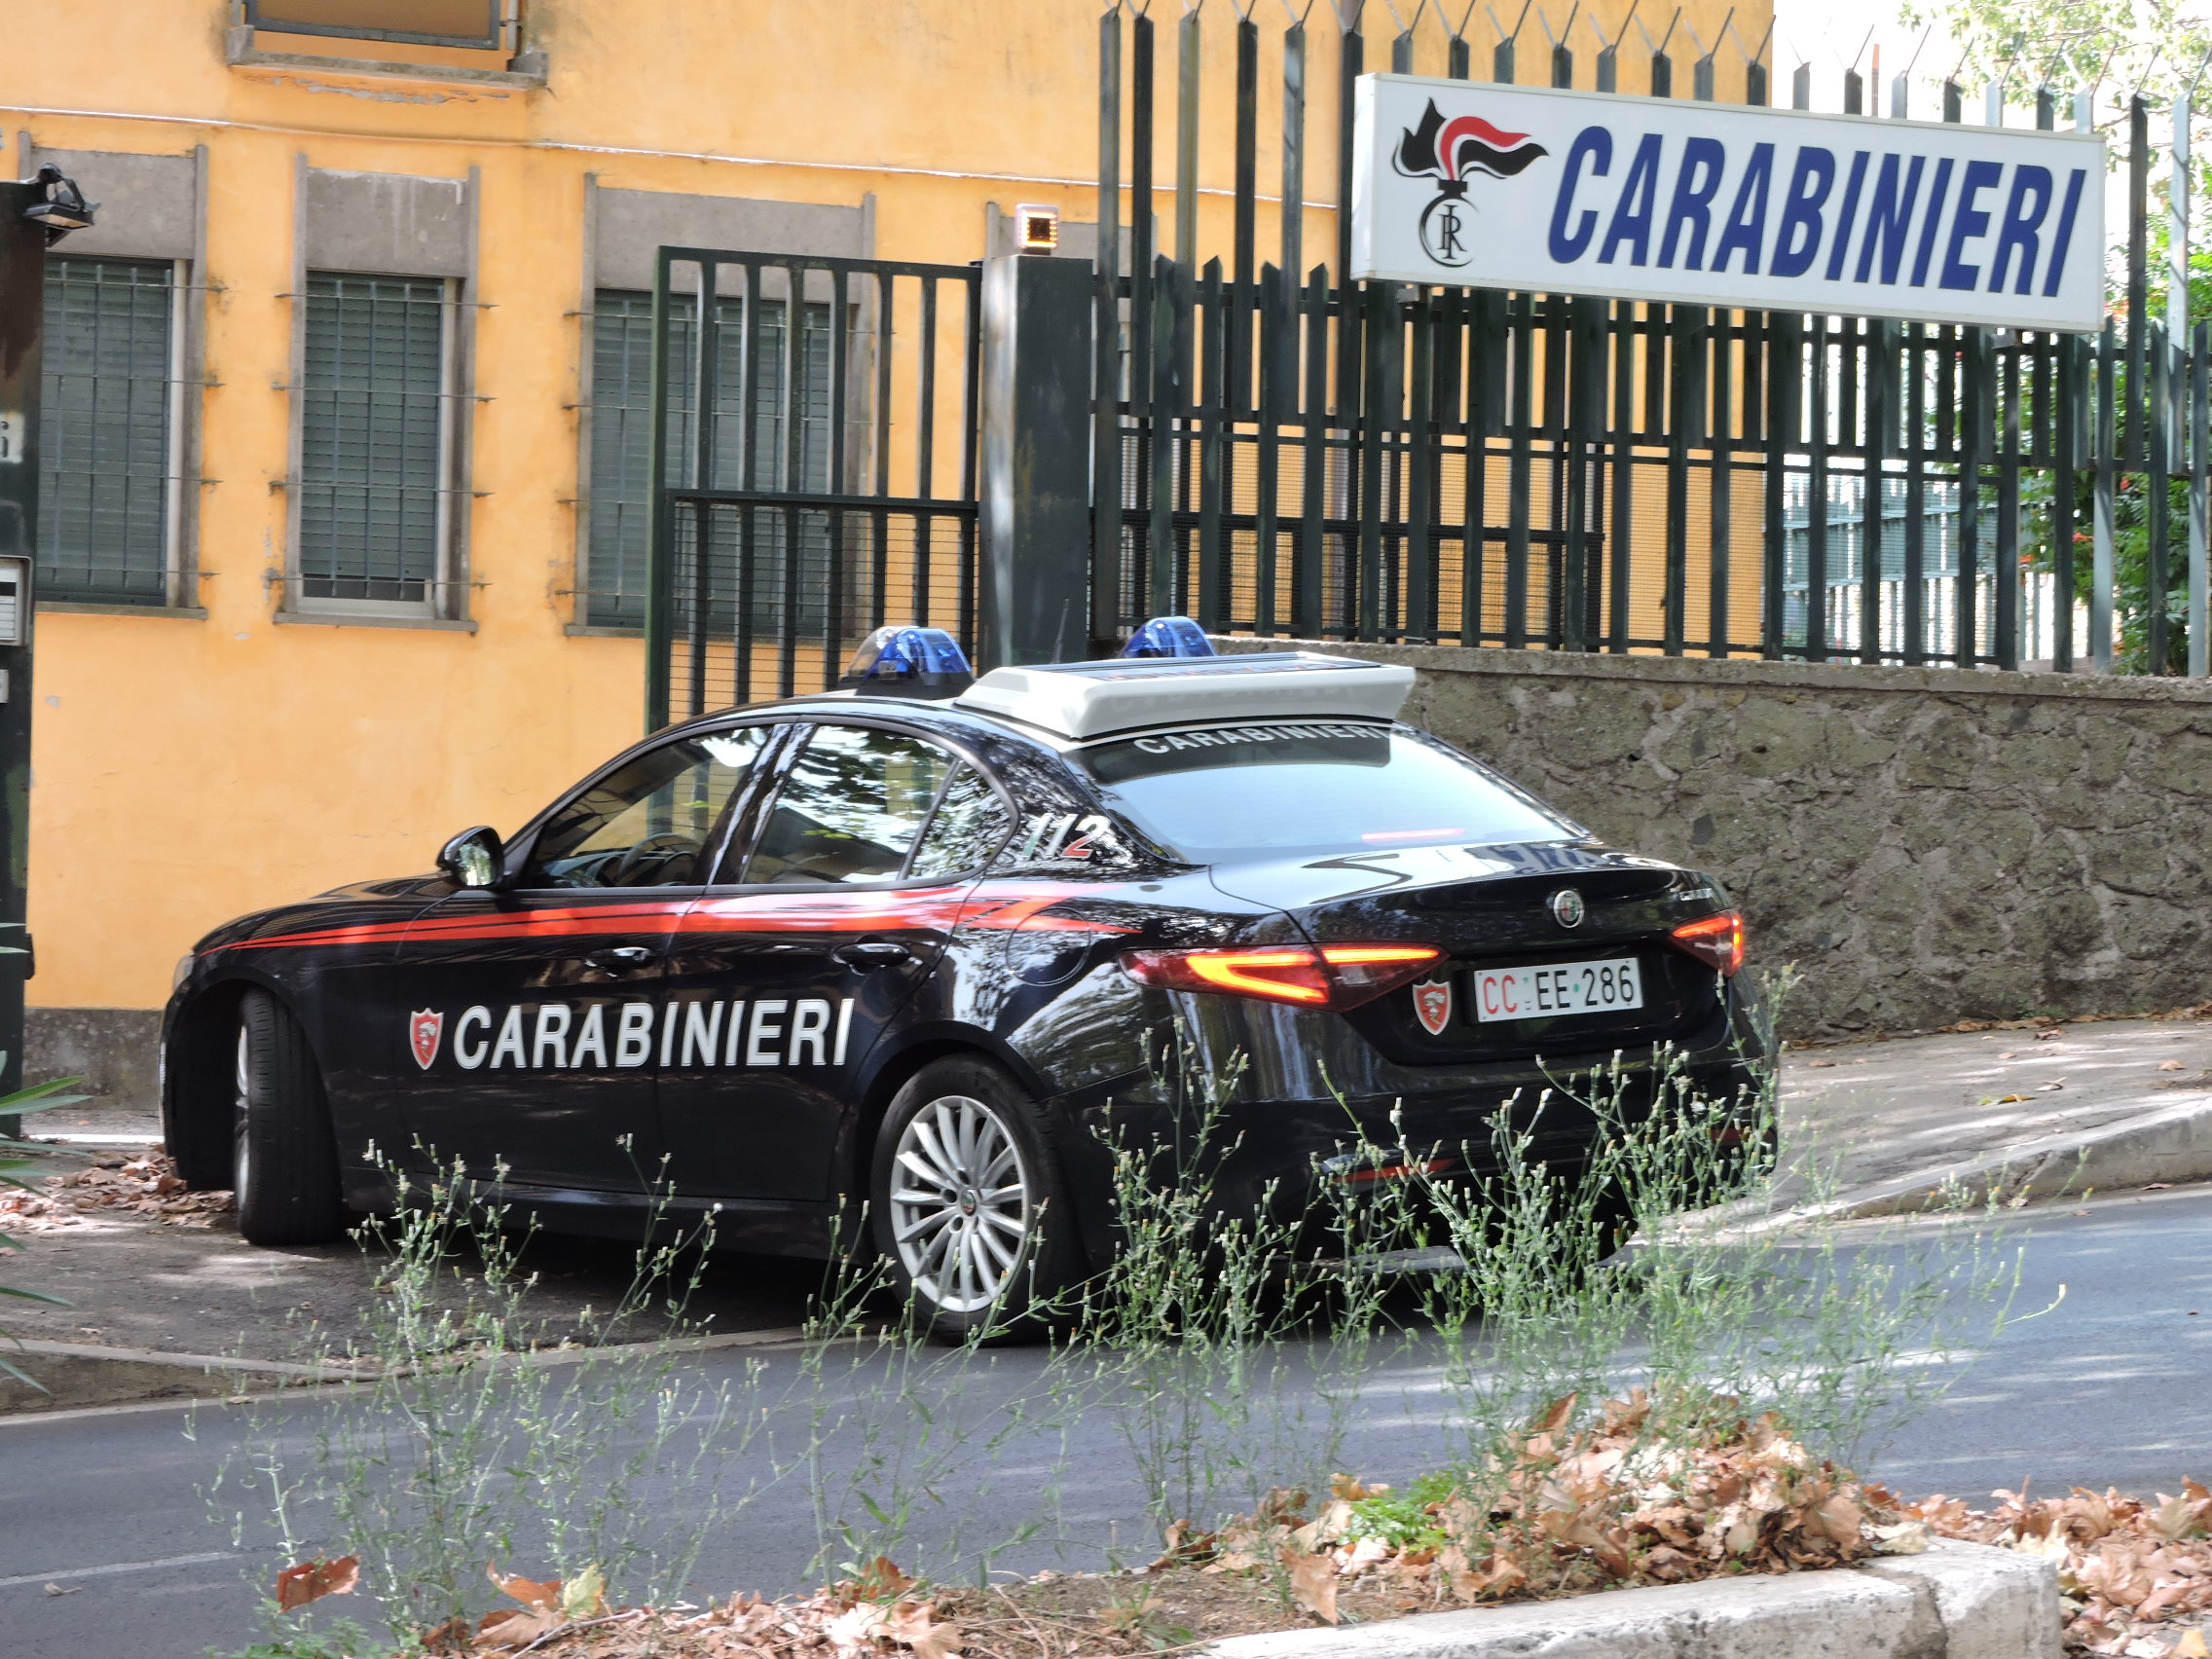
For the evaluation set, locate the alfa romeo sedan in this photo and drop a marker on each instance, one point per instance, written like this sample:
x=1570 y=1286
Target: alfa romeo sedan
x=901 y=951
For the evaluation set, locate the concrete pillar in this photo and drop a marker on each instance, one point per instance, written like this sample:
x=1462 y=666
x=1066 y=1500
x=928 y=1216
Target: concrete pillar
x=1034 y=496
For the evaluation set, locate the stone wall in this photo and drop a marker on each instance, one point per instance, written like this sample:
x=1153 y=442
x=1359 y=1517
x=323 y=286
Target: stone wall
x=1926 y=846
x=115 y=1051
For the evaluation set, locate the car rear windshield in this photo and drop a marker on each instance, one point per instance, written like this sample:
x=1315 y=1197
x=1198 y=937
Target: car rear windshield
x=1215 y=792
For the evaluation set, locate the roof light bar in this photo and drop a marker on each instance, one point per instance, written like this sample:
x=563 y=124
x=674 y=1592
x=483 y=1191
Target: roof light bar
x=1169 y=637
x=1089 y=699
x=906 y=661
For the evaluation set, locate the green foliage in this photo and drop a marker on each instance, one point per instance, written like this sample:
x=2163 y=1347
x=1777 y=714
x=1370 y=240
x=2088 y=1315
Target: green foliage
x=39 y=1097
x=468 y=1449
x=339 y=1639
x=1236 y=1344
x=1404 y=1518
x=2132 y=599
x=2152 y=44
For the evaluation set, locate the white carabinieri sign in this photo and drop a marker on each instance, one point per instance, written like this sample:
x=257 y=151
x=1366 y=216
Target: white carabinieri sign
x=1478 y=185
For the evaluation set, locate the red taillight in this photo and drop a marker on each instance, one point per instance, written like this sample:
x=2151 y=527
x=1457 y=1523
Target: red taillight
x=1718 y=942
x=1334 y=977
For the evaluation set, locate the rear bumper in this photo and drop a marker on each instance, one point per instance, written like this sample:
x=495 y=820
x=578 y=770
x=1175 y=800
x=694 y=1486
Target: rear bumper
x=1305 y=1097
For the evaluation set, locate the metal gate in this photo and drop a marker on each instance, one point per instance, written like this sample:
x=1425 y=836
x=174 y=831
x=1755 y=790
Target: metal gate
x=814 y=444
x=1279 y=454
x=1507 y=469
x=1385 y=462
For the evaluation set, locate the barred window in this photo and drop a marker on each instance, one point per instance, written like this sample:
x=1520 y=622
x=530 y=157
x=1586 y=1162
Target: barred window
x=107 y=502
x=621 y=429
x=374 y=435
x=433 y=22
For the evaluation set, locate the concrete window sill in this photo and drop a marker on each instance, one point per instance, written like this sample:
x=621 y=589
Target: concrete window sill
x=88 y=608
x=523 y=73
x=333 y=619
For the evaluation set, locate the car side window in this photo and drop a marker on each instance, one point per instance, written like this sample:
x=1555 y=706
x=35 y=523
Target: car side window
x=850 y=808
x=648 y=823
x=971 y=824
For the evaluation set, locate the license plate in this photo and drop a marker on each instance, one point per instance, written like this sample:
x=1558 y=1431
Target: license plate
x=1550 y=989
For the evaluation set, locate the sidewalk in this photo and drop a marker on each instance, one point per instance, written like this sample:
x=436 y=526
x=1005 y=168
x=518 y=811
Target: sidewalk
x=1898 y=1117
x=2103 y=1103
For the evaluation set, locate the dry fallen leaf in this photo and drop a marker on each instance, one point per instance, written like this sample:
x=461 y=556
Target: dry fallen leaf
x=540 y=1595
x=2173 y=1065
x=312 y=1580
x=912 y=1625
x=1312 y=1583
x=511 y=1628
x=880 y=1580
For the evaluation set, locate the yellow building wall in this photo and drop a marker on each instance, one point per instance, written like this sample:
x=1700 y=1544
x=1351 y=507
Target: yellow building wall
x=188 y=769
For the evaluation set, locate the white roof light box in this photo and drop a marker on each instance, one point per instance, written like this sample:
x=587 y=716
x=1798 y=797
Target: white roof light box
x=1089 y=699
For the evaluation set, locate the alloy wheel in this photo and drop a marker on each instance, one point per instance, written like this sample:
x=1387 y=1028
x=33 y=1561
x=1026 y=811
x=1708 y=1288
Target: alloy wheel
x=961 y=1213
x=242 y=1143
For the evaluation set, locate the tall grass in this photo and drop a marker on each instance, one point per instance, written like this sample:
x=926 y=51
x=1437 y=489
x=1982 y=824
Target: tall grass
x=1237 y=1354
x=483 y=1438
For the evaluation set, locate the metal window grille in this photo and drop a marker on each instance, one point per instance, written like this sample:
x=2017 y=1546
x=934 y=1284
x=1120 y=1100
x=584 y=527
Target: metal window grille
x=108 y=421
x=375 y=440
x=425 y=22
x=618 y=546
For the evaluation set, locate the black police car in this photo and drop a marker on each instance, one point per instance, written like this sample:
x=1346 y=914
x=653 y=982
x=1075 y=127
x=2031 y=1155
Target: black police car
x=908 y=942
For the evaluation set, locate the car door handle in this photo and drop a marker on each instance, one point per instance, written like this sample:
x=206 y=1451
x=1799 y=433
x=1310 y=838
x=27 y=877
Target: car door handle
x=621 y=959
x=869 y=953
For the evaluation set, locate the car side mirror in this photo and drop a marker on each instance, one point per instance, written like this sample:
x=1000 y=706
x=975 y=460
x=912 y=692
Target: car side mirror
x=473 y=858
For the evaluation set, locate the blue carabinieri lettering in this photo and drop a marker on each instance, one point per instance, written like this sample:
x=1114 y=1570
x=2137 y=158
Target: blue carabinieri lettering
x=1593 y=147
x=1969 y=222
x=1930 y=225
x=2055 y=272
x=1889 y=218
x=1840 y=244
x=2021 y=223
x=1632 y=212
x=1746 y=232
x=1696 y=182
x=1797 y=238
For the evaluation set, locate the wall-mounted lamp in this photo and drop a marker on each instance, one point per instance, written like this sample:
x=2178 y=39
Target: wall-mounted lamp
x=1036 y=228
x=63 y=207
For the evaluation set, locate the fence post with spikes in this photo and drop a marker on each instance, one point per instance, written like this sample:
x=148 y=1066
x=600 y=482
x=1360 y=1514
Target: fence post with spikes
x=1188 y=42
x=1293 y=147
x=2177 y=228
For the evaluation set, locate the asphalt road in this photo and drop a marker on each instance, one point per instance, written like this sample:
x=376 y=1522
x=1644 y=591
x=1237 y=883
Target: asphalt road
x=2108 y=1387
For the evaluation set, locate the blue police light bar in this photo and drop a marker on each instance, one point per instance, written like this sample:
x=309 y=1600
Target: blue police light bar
x=1169 y=637
x=905 y=661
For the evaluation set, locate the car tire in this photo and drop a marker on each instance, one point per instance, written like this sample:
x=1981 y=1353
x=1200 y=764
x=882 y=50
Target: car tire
x=969 y=1206
x=285 y=1151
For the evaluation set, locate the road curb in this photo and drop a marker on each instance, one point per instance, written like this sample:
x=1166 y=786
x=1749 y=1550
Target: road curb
x=2169 y=1143
x=1956 y=1602
x=86 y=1377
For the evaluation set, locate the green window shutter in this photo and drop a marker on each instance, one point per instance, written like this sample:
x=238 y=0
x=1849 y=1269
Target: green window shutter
x=622 y=427
x=371 y=437
x=104 y=431
x=621 y=453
